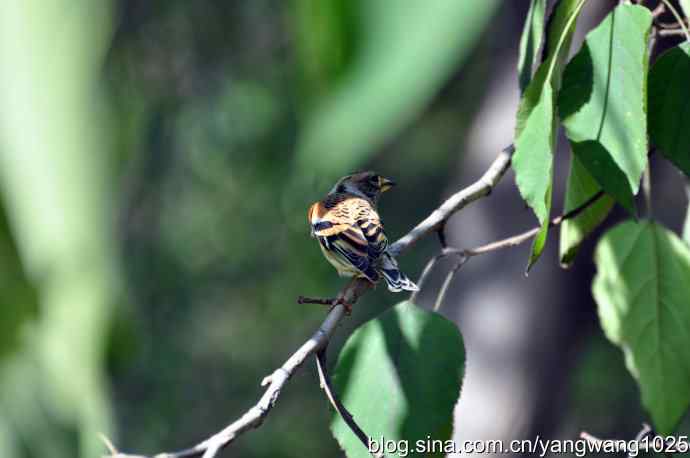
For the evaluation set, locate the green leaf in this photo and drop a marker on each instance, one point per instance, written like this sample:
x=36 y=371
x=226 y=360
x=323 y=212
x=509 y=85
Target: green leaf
x=642 y=290
x=602 y=168
x=669 y=105
x=405 y=51
x=533 y=166
x=580 y=188
x=536 y=122
x=530 y=42
x=603 y=97
x=400 y=376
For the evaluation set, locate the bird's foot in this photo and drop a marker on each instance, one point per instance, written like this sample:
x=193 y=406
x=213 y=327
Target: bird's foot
x=341 y=301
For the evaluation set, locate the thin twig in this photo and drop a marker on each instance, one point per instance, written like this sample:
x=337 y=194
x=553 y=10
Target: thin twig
x=667 y=25
x=659 y=10
x=671 y=32
x=108 y=444
x=515 y=240
x=422 y=278
x=462 y=259
x=429 y=266
x=520 y=238
x=325 y=379
x=254 y=417
x=679 y=18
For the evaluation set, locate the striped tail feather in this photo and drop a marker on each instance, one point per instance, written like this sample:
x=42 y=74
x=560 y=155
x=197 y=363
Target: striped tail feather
x=395 y=279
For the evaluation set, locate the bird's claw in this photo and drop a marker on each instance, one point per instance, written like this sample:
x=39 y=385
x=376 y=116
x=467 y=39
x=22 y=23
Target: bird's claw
x=340 y=301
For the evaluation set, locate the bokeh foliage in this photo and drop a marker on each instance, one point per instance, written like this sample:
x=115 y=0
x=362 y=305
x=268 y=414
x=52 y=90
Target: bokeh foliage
x=56 y=187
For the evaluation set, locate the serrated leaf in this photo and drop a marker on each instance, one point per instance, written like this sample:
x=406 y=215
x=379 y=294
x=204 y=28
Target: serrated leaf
x=536 y=122
x=530 y=42
x=560 y=28
x=669 y=105
x=400 y=376
x=536 y=166
x=603 y=97
x=533 y=166
x=580 y=188
x=642 y=290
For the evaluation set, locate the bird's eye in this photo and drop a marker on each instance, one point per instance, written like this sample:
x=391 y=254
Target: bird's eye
x=374 y=180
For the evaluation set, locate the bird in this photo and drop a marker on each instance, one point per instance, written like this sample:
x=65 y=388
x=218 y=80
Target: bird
x=350 y=233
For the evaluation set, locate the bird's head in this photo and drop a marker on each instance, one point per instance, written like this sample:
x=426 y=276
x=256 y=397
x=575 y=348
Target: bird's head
x=364 y=184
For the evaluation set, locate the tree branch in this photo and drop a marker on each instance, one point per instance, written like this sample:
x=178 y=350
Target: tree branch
x=521 y=238
x=670 y=32
x=515 y=240
x=254 y=417
x=678 y=17
x=316 y=345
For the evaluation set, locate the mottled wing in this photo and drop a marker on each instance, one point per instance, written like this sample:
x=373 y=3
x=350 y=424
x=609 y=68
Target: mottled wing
x=373 y=231
x=334 y=223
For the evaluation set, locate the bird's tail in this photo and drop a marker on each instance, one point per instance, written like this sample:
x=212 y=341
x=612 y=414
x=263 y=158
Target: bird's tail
x=395 y=280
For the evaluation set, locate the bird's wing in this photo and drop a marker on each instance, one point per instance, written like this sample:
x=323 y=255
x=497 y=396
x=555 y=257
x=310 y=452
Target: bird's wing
x=371 y=227
x=335 y=222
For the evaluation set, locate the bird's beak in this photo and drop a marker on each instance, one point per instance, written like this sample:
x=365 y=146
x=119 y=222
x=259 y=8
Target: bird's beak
x=385 y=184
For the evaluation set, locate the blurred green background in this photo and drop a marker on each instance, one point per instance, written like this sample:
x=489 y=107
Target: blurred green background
x=156 y=162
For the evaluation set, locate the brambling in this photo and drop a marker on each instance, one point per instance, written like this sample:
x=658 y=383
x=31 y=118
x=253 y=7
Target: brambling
x=350 y=232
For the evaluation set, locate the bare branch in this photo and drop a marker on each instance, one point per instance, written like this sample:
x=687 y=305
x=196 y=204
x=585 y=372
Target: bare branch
x=521 y=238
x=462 y=259
x=670 y=32
x=254 y=417
x=465 y=255
x=430 y=265
x=678 y=17
x=659 y=10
